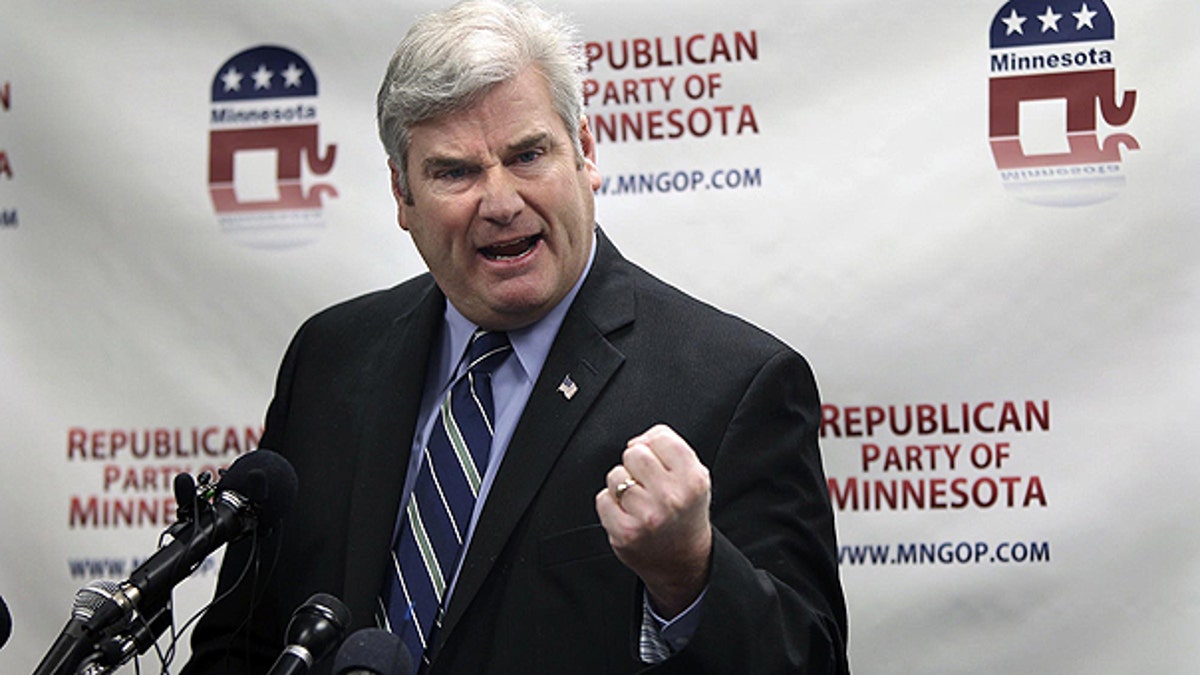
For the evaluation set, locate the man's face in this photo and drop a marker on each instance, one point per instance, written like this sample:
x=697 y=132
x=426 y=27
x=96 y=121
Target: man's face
x=501 y=210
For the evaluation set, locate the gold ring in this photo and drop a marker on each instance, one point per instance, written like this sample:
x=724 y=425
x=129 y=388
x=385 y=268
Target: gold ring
x=624 y=486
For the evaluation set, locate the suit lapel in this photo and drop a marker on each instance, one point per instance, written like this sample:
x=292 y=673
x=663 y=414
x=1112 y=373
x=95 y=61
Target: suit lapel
x=393 y=383
x=582 y=352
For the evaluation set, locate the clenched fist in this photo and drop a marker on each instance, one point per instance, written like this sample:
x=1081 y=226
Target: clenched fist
x=655 y=510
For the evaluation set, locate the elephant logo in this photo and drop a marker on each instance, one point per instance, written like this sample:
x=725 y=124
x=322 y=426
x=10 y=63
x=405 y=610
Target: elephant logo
x=263 y=139
x=1053 y=94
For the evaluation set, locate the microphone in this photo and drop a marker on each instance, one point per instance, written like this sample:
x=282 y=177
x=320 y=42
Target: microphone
x=5 y=623
x=257 y=490
x=316 y=628
x=184 y=487
x=373 y=651
x=78 y=638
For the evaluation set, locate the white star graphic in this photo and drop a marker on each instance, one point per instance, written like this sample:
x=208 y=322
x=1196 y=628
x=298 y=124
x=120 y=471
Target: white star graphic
x=1049 y=20
x=232 y=79
x=262 y=77
x=1084 y=17
x=1014 y=22
x=291 y=76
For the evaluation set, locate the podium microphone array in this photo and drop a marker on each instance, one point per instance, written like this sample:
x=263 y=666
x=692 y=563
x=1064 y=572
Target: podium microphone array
x=111 y=622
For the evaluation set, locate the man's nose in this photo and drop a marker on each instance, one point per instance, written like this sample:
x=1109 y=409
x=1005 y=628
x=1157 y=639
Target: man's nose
x=501 y=200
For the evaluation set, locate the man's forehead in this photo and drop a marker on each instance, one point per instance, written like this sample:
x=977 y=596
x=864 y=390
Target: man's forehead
x=478 y=142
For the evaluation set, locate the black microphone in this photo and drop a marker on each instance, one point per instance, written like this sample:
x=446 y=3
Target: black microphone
x=316 y=628
x=5 y=623
x=256 y=491
x=184 y=487
x=78 y=638
x=373 y=651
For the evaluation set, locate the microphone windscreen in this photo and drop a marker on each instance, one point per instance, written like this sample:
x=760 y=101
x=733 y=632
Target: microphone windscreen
x=373 y=650
x=93 y=597
x=318 y=625
x=331 y=605
x=185 y=489
x=267 y=480
x=5 y=623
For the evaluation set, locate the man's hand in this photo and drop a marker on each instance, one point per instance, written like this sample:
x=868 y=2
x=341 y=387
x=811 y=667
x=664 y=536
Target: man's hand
x=655 y=510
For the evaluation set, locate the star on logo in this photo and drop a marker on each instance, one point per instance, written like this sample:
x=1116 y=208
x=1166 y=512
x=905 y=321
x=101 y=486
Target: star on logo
x=232 y=79
x=1014 y=22
x=262 y=77
x=1049 y=20
x=1084 y=17
x=291 y=76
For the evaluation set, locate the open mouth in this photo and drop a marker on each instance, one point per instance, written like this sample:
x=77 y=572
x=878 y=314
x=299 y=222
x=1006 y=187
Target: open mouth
x=511 y=250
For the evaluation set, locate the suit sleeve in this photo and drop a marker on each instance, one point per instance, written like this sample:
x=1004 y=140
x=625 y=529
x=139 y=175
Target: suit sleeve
x=774 y=602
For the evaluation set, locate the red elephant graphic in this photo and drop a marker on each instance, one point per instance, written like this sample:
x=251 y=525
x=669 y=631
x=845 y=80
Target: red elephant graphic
x=1081 y=90
x=293 y=144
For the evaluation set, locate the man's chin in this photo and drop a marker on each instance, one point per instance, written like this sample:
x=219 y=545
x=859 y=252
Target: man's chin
x=507 y=313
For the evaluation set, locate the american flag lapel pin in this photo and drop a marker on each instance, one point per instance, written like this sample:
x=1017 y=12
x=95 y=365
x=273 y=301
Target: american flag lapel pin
x=568 y=388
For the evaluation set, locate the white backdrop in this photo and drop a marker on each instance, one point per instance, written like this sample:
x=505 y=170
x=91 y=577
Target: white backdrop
x=825 y=170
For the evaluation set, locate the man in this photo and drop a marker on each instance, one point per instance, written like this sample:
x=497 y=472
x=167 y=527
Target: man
x=651 y=497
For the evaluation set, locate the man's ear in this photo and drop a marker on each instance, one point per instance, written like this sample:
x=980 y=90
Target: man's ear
x=587 y=143
x=402 y=201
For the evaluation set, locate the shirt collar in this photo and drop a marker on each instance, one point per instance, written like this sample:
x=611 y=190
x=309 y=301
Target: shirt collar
x=531 y=344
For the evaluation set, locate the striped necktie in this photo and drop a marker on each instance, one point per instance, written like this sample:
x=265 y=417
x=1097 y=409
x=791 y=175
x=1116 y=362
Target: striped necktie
x=427 y=549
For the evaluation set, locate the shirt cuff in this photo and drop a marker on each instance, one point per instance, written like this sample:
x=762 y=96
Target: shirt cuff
x=661 y=638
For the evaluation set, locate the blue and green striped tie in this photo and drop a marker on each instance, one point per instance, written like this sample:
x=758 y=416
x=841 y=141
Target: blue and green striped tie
x=434 y=527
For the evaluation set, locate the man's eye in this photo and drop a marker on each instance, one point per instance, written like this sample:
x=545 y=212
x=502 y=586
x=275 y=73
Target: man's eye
x=454 y=173
x=527 y=157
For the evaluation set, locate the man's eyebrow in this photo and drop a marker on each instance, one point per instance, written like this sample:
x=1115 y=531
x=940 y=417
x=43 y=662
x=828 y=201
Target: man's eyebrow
x=534 y=140
x=433 y=164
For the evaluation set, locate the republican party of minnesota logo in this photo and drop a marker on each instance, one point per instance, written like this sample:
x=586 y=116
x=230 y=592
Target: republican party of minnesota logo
x=265 y=159
x=1056 y=111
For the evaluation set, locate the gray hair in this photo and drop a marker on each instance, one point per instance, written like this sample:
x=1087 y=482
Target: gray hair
x=451 y=59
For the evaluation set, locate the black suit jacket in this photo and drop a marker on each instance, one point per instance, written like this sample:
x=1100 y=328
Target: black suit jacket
x=540 y=590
